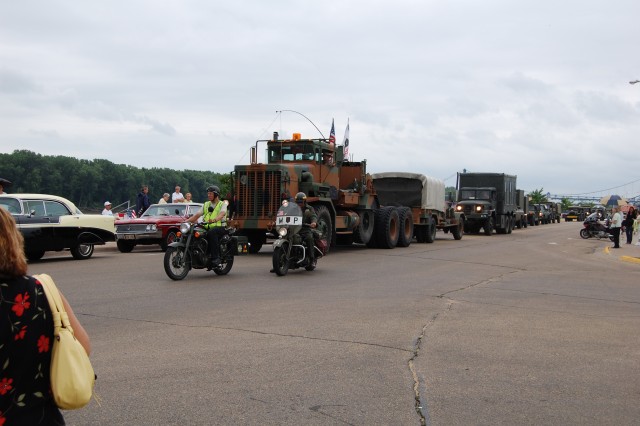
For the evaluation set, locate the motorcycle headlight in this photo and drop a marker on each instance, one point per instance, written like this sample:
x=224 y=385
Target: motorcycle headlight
x=185 y=227
x=282 y=232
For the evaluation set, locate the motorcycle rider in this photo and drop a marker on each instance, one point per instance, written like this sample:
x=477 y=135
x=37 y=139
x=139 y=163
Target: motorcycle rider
x=213 y=221
x=309 y=217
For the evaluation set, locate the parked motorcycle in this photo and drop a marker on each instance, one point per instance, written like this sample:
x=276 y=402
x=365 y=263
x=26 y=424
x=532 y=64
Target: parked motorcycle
x=290 y=250
x=192 y=248
x=592 y=228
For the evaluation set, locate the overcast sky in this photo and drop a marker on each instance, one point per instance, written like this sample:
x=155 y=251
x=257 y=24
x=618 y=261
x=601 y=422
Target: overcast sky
x=539 y=89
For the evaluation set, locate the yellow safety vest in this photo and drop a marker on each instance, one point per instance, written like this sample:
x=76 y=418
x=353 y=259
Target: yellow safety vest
x=212 y=215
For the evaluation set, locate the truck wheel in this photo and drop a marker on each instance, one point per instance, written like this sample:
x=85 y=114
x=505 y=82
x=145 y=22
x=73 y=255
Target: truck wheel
x=431 y=232
x=405 y=217
x=389 y=230
x=324 y=224
x=510 y=225
x=488 y=226
x=457 y=230
x=364 y=231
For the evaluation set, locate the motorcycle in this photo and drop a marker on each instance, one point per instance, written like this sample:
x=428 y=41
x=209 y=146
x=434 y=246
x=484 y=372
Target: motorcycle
x=592 y=228
x=192 y=248
x=290 y=250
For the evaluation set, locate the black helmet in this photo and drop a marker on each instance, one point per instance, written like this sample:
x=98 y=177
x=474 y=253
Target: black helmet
x=214 y=189
x=301 y=197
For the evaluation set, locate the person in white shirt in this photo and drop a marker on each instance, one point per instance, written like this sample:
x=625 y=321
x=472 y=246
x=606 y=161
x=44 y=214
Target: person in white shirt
x=107 y=209
x=177 y=196
x=616 y=224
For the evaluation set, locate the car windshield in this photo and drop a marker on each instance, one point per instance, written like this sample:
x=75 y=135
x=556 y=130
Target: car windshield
x=11 y=205
x=166 y=210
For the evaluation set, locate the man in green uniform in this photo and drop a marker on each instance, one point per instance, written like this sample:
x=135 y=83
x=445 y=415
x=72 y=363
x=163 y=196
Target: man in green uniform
x=214 y=220
x=309 y=217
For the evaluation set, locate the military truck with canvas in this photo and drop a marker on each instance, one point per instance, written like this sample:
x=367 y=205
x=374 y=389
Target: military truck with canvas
x=520 y=216
x=488 y=201
x=341 y=191
x=421 y=205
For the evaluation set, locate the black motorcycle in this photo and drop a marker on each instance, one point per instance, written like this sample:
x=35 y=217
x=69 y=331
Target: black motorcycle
x=290 y=250
x=192 y=248
x=592 y=228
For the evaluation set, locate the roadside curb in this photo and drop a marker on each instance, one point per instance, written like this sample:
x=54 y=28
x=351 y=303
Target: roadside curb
x=631 y=259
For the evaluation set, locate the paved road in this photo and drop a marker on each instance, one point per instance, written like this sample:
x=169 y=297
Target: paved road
x=536 y=327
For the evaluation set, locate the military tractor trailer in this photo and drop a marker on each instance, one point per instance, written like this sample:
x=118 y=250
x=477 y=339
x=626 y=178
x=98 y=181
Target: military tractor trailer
x=340 y=190
x=488 y=201
x=421 y=202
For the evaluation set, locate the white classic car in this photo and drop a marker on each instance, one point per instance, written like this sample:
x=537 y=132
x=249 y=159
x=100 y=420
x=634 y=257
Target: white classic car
x=52 y=223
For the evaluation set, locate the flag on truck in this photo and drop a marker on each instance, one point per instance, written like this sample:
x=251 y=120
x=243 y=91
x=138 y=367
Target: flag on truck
x=332 y=135
x=346 y=141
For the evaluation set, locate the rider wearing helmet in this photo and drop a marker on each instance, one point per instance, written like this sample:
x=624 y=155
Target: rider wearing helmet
x=214 y=218
x=309 y=217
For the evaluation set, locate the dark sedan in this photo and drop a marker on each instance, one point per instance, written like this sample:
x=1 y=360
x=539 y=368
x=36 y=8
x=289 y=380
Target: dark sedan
x=158 y=225
x=52 y=223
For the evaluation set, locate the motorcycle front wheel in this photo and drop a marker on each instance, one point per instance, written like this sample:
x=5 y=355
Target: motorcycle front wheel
x=225 y=266
x=584 y=233
x=177 y=263
x=280 y=260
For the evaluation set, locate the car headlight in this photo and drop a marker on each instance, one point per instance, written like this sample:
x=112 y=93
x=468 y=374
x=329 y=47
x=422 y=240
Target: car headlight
x=282 y=232
x=185 y=227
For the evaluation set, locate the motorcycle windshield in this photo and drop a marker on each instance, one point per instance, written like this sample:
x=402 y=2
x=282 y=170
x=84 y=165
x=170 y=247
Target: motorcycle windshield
x=289 y=216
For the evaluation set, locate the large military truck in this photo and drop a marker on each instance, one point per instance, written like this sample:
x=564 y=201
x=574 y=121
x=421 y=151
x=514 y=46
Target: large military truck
x=488 y=201
x=520 y=216
x=341 y=191
x=421 y=202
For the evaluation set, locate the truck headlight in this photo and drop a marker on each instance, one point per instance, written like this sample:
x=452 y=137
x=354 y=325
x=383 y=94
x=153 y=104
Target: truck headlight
x=459 y=208
x=478 y=209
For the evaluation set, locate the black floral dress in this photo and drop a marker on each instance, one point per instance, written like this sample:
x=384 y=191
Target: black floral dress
x=26 y=340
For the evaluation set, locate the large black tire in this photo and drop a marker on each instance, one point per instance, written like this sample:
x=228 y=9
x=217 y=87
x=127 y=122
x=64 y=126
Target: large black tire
x=280 y=262
x=430 y=232
x=488 y=226
x=225 y=266
x=171 y=237
x=177 y=263
x=457 y=230
x=373 y=241
x=405 y=220
x=125 y=246
x=325 y=225
x=82 y=252
x=364 y=231
x=510 y=223
x=34 y=255
x=388 y=228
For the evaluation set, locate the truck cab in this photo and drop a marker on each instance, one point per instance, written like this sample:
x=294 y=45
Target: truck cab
x=478 y=205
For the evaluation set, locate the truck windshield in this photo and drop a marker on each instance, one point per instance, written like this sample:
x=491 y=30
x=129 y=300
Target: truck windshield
x=475 y=194
x=297 y=152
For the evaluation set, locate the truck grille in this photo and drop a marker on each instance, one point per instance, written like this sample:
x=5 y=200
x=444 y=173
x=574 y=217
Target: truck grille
x=258 y=193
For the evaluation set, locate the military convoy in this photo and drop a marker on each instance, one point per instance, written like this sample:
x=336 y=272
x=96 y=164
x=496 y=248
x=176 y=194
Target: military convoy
x=381 y=210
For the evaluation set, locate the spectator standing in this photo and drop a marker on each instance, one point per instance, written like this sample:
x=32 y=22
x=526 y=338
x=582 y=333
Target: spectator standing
x=187 y=198
x=107 y=209
x=4 y=184
x=616 y=223
x=628 y=223
x=164 y=199
x=142 y=202
x=26 y=336
x=177 y=196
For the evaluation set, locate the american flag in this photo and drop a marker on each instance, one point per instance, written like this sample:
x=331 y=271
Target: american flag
x=346 y=141
x=332 y=135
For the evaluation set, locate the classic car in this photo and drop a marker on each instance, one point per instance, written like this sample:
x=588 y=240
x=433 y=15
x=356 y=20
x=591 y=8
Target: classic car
x=52 y=223
x=158 y=225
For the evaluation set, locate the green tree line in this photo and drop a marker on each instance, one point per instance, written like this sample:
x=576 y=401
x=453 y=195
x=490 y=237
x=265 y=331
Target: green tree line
x=89 y=183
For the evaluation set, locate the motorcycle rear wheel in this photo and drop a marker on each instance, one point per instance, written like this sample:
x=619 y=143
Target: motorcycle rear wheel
x=584 y=233
x=177 y=263
x=225 y=266
x=280 y=261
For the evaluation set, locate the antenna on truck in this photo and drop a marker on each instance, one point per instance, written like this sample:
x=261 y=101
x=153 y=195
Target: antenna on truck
x=299 y=113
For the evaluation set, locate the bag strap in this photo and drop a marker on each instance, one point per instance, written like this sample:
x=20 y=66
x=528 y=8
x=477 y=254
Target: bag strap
x=60 y=316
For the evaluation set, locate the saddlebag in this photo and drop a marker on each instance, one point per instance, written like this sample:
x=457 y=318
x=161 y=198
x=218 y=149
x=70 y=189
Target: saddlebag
x=240 y=244
x=322 y=245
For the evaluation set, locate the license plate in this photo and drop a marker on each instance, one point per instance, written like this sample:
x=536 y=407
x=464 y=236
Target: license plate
x=128 y=237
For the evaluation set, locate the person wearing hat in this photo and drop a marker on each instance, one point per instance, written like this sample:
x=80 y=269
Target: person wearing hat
x=4 y=184
x=107 y=209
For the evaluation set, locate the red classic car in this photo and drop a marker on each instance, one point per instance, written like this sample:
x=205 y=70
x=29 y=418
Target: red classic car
x=158 y=225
